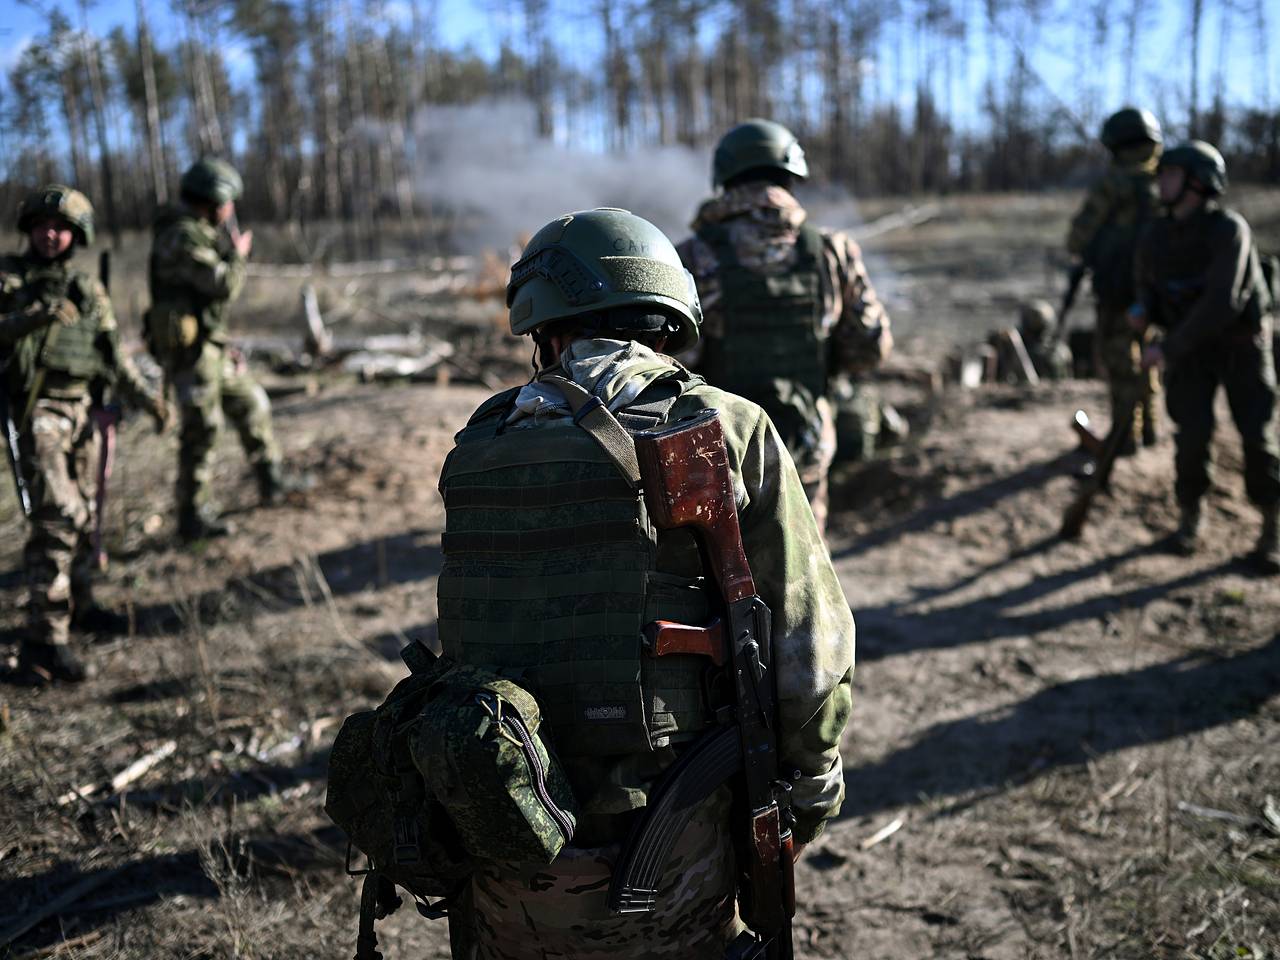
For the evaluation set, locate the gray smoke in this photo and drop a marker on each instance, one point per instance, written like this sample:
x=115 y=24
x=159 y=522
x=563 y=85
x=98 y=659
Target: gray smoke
x=485 y=164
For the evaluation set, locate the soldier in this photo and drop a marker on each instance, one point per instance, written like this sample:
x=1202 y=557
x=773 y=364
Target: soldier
x=1102 y=238
x=787 y=305
x=1201 y=284
x=1038 y=326
x=543 y=532
x=58 y=337
x=195 y=274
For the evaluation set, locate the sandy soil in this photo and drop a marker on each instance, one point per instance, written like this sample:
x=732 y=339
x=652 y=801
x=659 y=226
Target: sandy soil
x=1081 y=740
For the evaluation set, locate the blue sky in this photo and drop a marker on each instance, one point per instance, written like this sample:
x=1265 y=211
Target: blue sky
x=1054 y=56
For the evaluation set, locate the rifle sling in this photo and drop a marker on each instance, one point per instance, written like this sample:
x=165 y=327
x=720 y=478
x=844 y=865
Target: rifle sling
x=698 y=772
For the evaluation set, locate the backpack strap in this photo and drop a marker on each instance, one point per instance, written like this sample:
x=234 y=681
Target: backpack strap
x=590 y=413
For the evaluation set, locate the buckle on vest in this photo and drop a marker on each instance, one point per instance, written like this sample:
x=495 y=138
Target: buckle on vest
x=407 y=849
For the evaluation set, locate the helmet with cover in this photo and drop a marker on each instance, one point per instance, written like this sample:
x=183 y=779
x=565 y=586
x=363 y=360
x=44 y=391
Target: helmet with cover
x=1130 y=127
x=1203 y=163
x=61 y=202
x=755 y=144
x=212 y=180
x=597 y=262
x=1037 y=319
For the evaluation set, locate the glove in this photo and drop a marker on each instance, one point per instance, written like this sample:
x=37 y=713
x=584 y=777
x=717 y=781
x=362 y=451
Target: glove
x=62 y=311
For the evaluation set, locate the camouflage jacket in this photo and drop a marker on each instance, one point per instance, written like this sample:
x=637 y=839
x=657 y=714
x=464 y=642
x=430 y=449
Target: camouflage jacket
x=31 y=294
x=813 y=628
x=763 y=222
x=1104 y=197
x=194 y=271
x=1199 y=279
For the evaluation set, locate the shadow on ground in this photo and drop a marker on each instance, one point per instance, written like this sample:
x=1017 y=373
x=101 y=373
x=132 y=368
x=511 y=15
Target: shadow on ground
x=387 y=561
x=1067 y=724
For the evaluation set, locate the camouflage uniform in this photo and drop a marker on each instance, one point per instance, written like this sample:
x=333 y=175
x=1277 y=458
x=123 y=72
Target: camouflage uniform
x=764 y=224
x=1200 y=281
x=559 y=909
x=194 y=277
x=1038 y=327
x=1104 y=233
x=50 y=367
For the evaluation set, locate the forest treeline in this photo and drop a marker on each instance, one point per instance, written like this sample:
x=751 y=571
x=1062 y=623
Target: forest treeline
x=330 y=115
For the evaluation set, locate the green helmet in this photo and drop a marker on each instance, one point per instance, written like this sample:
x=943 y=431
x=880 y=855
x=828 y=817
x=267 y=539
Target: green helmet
x=1202 y=161
x=1036 y=318
x=597 y=260
x=757 y=143
x=1129 y=127
x=213 y=180
x=65 y=203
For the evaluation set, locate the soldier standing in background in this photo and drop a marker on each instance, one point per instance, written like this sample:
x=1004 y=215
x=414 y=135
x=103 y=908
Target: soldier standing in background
x=787 y=305
x=196 y=271
x=1102 y=238
x=58 y=337
x=1200 y=283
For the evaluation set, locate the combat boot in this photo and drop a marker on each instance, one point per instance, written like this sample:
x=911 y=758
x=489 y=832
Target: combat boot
x=40 y=664
x=100 y=620
x=274 y=485
x=1186 y=538
x=1266 y=553
x=200 y=524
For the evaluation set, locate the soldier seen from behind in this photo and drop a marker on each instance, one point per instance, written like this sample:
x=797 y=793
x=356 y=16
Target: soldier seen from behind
x=1102 y=239
x=788 y=306
x=553 y=571
x=58 y=340
x=197 y=268
x=1202 y=289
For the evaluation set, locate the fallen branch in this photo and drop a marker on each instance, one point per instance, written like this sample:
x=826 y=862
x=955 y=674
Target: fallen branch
x=909 y=216
x=126 y=776
x=883 y=834
x=1209 y=813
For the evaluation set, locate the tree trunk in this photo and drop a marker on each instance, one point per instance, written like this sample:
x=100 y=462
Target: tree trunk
x=155 y=152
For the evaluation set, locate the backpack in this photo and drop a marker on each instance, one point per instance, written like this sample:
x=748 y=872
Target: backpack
x=451 y=767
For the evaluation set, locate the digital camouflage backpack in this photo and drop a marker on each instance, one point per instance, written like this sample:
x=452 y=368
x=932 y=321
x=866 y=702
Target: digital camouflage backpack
x=449 y=768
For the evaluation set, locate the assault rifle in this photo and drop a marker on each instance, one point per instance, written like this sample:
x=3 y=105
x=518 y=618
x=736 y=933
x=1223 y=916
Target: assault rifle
x=1075 y=276
x=687 y=483
x=11 y=450
x=106 y=417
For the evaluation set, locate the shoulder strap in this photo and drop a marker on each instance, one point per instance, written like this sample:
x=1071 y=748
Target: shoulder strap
x=590 y=413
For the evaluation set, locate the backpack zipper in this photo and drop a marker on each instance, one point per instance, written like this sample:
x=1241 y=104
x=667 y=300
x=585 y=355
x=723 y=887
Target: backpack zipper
x=515 y=724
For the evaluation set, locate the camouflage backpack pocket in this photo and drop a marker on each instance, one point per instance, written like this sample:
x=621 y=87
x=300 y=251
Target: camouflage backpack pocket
x=170 y=334
x=378 y=798
x=478 y=747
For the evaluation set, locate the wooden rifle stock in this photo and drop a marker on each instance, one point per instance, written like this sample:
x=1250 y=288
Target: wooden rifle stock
x=687 y=483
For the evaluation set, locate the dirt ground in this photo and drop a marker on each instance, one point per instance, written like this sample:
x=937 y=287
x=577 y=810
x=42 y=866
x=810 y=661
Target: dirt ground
x=1081 y=741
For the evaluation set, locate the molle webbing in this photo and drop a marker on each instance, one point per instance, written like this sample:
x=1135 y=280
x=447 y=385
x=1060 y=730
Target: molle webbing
x=550 y=569
x=772 y=321
x=71 y=350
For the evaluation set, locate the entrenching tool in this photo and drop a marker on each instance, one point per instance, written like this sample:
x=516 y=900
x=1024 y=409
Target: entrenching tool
x=11 y=449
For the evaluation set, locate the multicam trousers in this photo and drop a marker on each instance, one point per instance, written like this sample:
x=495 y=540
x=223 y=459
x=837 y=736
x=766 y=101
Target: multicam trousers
x=1244 y=368
x=215 y=386
x=59 y=457
x=531 y=912
x=1120 y=353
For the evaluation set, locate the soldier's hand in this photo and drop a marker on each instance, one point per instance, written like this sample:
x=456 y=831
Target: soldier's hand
x=63 y=311
x=160 y=414
x=244 y=243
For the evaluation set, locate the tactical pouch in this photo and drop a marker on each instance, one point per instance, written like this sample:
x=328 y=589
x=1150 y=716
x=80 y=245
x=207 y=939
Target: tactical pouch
x=172 y=336
x=478 y=748
x=378 y=798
